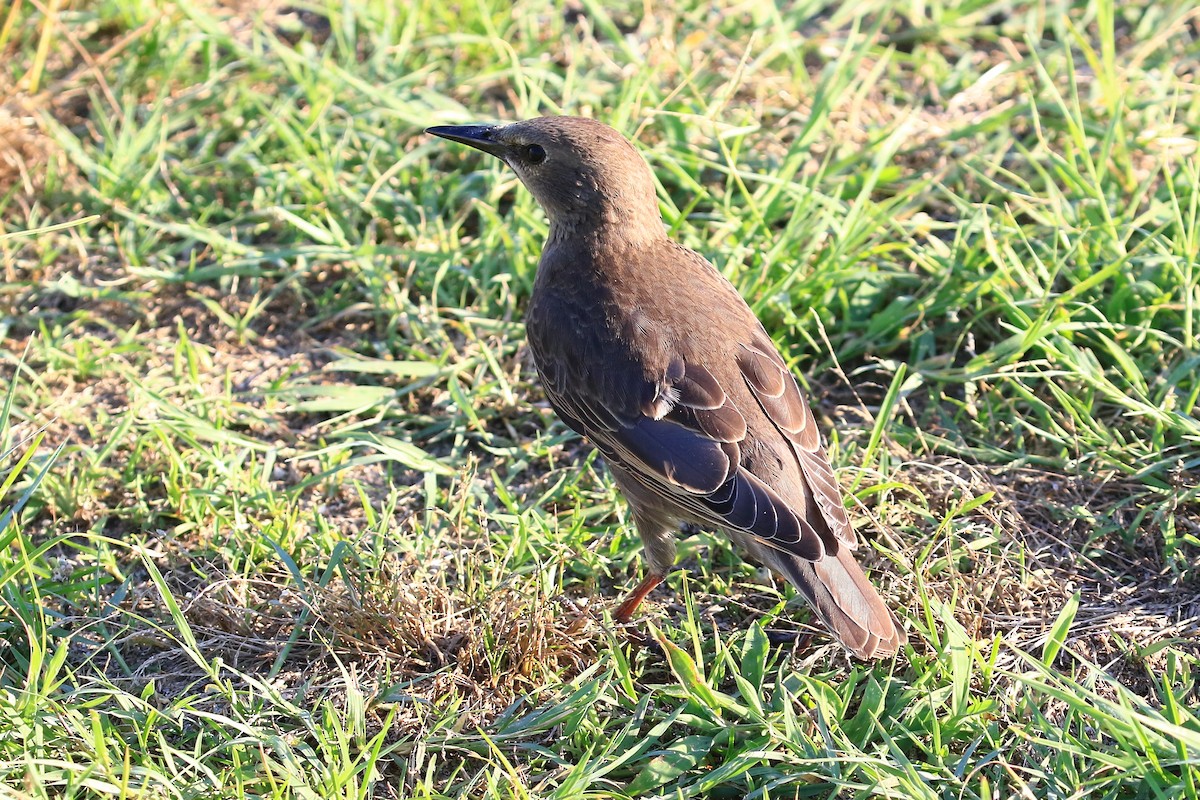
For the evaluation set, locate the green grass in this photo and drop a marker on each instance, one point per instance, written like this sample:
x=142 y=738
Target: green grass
x=284 y=514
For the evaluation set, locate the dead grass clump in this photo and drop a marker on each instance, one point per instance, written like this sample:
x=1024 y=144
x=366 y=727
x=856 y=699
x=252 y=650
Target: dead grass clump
x=403 y=623
x=508 y=640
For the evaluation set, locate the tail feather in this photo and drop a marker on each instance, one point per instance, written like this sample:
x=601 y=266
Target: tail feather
x=844 y=599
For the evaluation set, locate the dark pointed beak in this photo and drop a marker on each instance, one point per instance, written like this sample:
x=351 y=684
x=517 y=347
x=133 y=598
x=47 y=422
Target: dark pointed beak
x=478 y=136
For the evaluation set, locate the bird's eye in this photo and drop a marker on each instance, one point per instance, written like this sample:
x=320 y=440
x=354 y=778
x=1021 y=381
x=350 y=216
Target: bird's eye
x=535 y=154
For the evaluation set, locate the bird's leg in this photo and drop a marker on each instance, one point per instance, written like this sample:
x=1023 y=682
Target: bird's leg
x=635 y=598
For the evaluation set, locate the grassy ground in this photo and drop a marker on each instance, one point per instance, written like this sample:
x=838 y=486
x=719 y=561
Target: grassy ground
x=283 y=514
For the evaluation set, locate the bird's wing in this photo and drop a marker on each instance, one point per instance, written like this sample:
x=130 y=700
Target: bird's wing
x=682 y=437
x=777 y=394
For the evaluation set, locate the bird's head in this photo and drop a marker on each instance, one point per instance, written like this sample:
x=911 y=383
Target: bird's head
x=582 y=172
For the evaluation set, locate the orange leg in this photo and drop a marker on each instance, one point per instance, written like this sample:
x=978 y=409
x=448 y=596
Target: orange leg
x=635 y=598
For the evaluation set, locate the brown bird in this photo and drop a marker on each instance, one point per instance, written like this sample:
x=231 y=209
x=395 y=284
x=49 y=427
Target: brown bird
x=647 y=350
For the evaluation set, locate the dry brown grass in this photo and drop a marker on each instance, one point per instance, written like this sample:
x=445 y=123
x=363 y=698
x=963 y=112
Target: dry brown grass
x=25 y=153
x=409 y=631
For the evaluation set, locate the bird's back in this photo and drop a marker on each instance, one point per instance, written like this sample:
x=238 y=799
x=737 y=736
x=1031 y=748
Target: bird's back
x=618 y=326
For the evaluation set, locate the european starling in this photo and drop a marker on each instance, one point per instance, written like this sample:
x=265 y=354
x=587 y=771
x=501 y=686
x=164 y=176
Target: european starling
x=647 y=350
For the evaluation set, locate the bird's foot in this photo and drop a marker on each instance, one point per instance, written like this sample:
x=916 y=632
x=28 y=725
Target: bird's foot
x=625 y=611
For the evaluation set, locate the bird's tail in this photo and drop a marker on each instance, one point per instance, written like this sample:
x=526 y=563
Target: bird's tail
x=845 y=601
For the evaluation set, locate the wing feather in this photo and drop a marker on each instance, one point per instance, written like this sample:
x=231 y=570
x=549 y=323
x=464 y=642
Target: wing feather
x=779 y=397
x=688 y=453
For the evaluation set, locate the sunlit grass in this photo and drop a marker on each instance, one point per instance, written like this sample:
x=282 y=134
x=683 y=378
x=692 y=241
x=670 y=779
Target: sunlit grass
x=283 y=512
